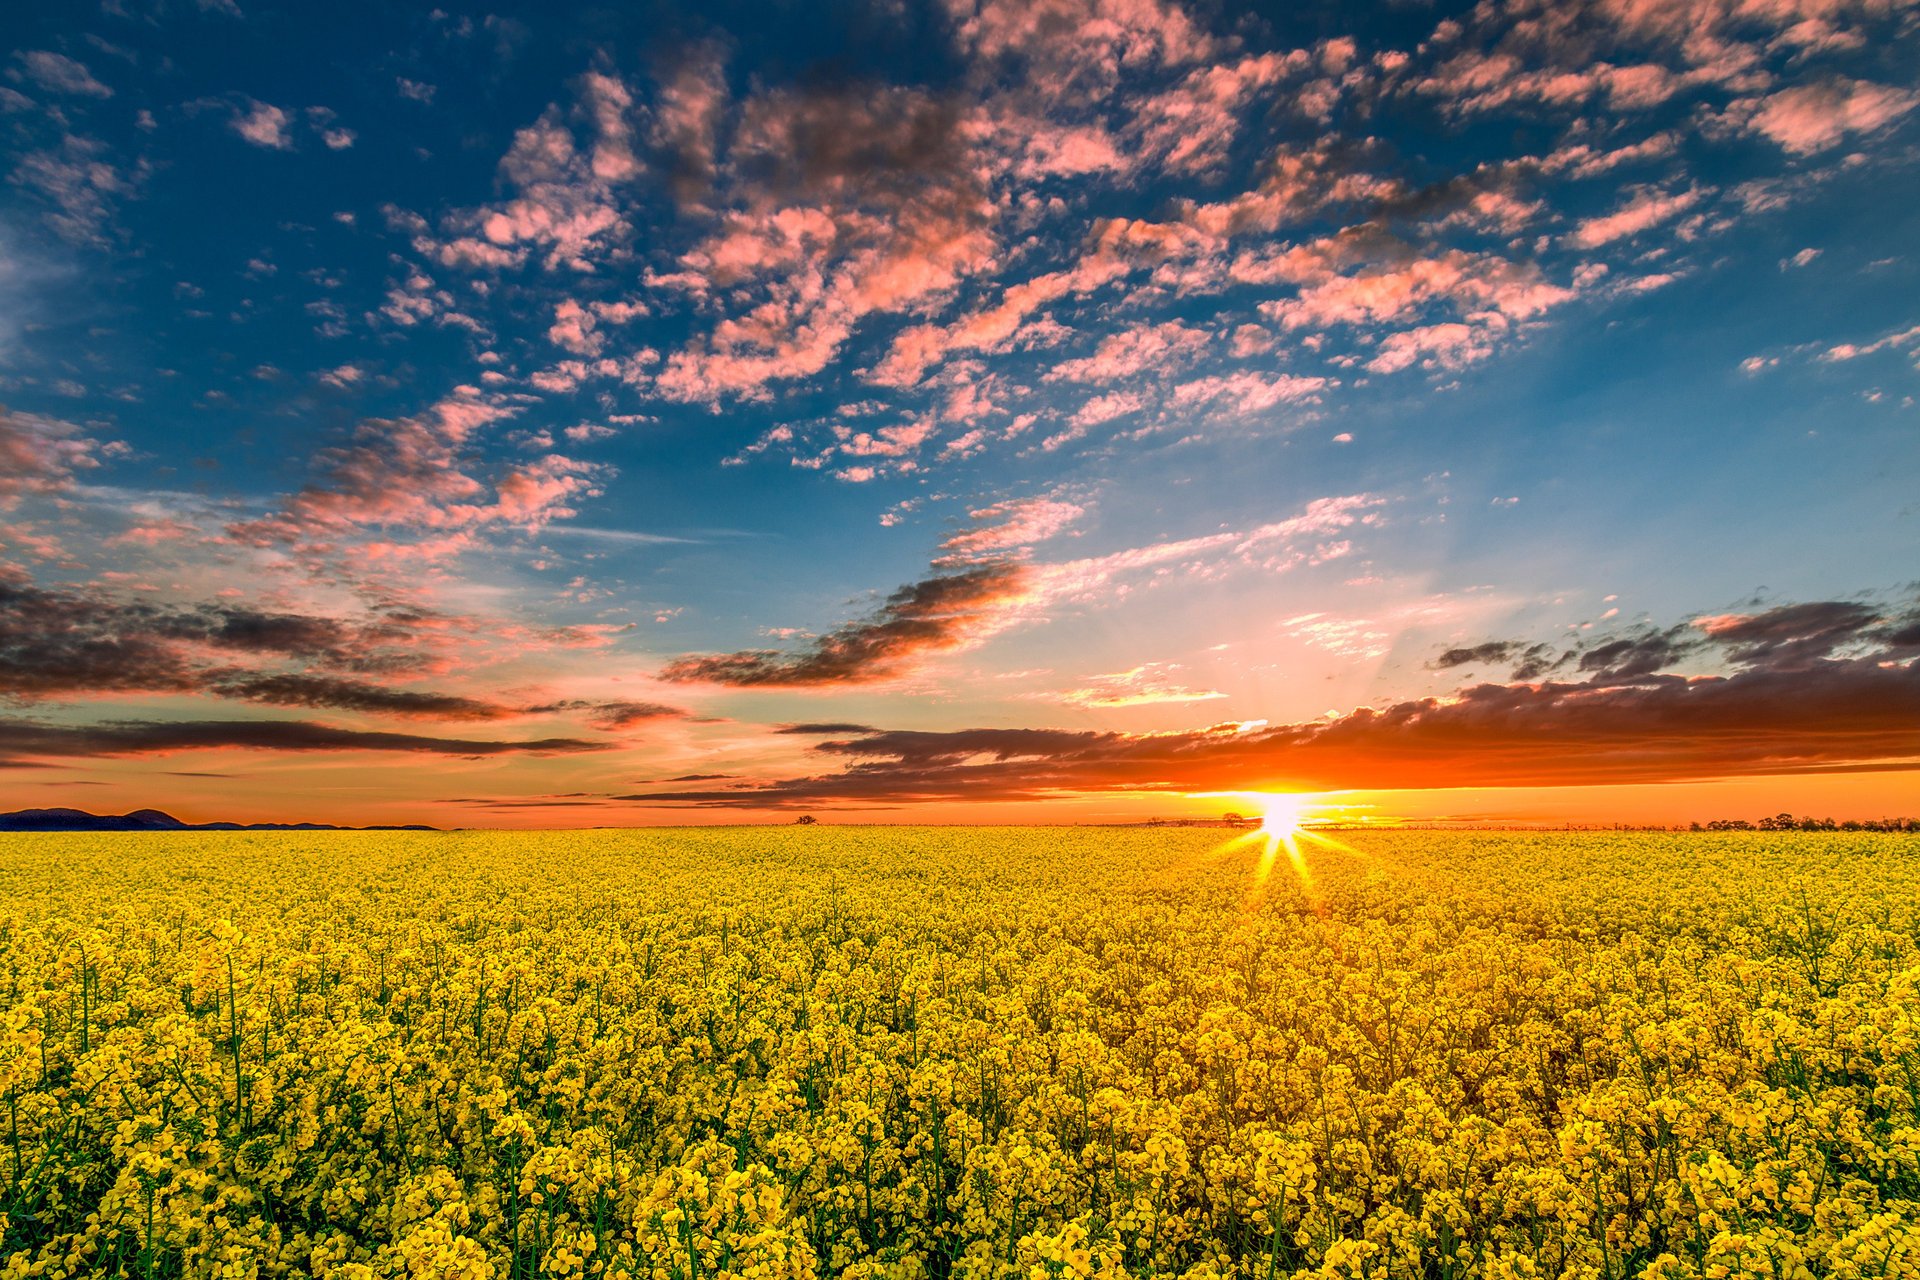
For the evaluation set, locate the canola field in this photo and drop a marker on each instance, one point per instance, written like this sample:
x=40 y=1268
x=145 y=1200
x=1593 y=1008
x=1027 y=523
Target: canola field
x=694 y=1054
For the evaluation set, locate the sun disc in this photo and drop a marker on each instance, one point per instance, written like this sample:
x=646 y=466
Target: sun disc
x=1280 y=815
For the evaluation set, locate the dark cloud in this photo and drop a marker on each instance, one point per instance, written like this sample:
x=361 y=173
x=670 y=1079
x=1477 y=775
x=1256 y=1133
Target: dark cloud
x=252 y=631
x=53 y=643
x=1784 y=638
x=1536 y=661
x=1478 y=655
x=1631 y=657
x=76 y=643
x=1841 y=716
x=612 y=715
x=305 y=690
x=815 y=728
x=1794 y=636
x=884 y=144
x=30 y=739
x=938 y=613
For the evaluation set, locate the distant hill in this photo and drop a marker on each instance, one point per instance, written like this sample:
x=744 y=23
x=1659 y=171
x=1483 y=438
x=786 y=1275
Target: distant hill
x=154 y=820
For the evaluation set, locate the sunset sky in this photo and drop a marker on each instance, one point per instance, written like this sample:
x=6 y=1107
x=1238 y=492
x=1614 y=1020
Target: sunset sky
x=1062 y=410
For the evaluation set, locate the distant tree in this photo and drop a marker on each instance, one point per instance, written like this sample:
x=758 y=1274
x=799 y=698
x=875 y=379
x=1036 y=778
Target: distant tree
x=1787 y=822
x=805 y=820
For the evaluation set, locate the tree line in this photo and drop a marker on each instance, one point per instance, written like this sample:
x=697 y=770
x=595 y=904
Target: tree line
x=1787 y=822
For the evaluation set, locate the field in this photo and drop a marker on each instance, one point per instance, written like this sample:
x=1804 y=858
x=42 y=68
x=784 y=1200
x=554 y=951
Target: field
x=960 y=1052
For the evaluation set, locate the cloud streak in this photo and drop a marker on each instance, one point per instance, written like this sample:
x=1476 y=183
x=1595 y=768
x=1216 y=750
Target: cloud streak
x=1821 y=687
x=24 y=743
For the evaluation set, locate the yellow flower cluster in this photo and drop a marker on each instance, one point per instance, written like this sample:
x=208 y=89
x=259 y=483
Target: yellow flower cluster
x=941 y=1054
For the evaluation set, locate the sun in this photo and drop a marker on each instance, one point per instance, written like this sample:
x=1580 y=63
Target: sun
x=1281 y=815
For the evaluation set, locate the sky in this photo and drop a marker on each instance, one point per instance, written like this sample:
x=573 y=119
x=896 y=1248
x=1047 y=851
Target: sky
x=971 y=410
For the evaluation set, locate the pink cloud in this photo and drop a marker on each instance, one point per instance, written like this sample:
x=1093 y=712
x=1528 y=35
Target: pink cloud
x=916 y=349
x=1107 y=407
x=609 y=102
x=58 y=73
x=1155 y=347
x=1897 y=340
x=263 y=125
x=847 y=204
x=1189 y=128
x=686 y=119
x=1401 y=286
x=563 y=203
x=406 y=475
x=1812 y=117
x=1003 y=526
x=43 y=455
x=1247 y=392
x=1276 y=545
x=1645 y=209
x=1450 y=345
x=1074 y=42
x=576 y=327
x=1149 y=684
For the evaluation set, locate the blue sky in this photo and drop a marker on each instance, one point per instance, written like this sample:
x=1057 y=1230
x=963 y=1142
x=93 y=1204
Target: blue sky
x=615 y=386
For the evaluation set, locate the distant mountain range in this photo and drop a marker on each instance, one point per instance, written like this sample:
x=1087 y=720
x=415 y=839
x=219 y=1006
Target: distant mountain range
x=154 y=820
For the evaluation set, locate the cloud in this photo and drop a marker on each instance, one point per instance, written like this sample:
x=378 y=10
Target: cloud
x=1017 y=522
x=1274 y=546
x=1191 y=127
x=1806 y=118
x=41 y=455
x=1896 y=340
x=263 y=125
x=1818 y=687
x=1247 y=392
x=58 y=73
x=77 y=177
x=1756 y=724
x=303 y=689
x=28 y=740
x=564 y=202
x=823 y=728
x=937 y=614
x=1645 y=209
x=1449 y=345
x=978 y=590
x=1795 y=637
x=686 y=121
x=69 y=644
x=1490 y=651
x=54 y=643
x=1153 y=348
x=406 y=476
x=918 y=348
x=59 y=643
x=1632 y=657
x=846 y=202
x=1149 y=684
x=610 y=715
x=1070 y=45
x=1401 y=282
